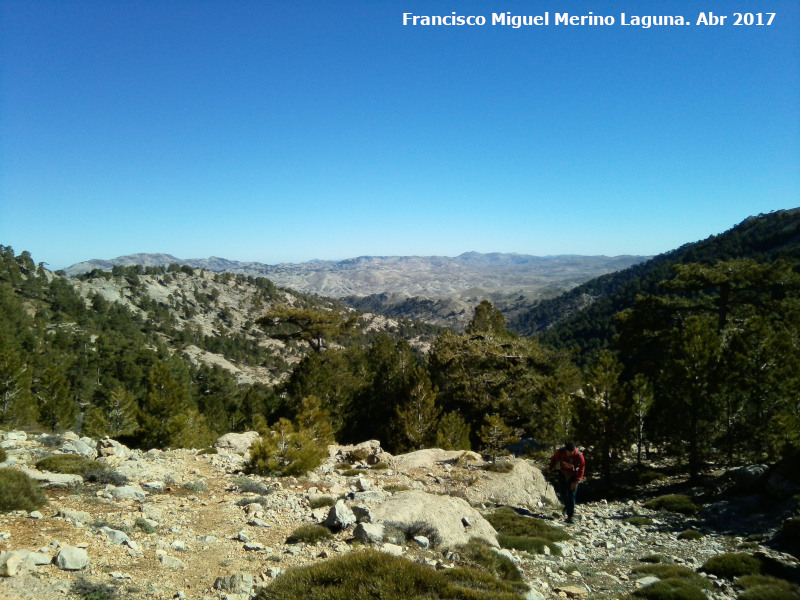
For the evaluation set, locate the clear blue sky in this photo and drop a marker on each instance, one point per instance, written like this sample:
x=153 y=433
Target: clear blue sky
x=291 y=130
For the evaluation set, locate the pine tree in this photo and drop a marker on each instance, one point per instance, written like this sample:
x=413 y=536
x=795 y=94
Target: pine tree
x=605 y=414
x=452 y=433
x=416 y=419
x=496 y=436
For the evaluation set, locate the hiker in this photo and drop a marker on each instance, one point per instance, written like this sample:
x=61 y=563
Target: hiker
x=571 y=467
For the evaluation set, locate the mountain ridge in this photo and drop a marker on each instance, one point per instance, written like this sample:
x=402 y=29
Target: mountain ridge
x=457 y=282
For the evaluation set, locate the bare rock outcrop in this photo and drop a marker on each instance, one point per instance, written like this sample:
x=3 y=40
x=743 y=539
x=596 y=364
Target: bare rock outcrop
x=453 y=519
x=523 y=486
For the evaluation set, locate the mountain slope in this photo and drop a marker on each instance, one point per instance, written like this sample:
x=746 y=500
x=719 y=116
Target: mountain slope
x=584 y=316
x=436 y=289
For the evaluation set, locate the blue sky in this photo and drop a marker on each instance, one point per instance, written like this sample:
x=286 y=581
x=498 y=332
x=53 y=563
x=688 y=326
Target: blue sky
x=284 y=131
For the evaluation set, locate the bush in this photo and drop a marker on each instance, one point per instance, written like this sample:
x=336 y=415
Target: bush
x=670 y=571
x=732 y=564
x=670 y=589
x=653 y=558
x=690 y=534
x=93 y=591
x=479 y=553
x=674 y=502
x=286 y=451
x=19 y=492
x=372 y=574
x=639 y=521
x=309 y=534
x=417 y=528
x=531 y=545
x=90 y=470
x=144 y=525
x=65 y=463
x=250 y=486
x=763 y=587
x=321 y=502
x=499 y=467
x=507 y=521
x=3 y=455
x=381 y=466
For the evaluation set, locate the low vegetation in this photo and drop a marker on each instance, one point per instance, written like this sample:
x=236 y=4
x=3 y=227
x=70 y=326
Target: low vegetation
x=525 y=533
x=678 y=503
x=372 y=574
x=309 y=534
x=19 y=492
x=764 y=587
x=732 y=564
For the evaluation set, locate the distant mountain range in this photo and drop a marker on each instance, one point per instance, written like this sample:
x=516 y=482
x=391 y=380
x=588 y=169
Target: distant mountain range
x=454 y=285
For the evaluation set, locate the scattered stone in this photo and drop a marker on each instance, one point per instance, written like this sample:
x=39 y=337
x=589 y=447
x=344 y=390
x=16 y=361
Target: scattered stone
x=238 y=584
x=127 y=492
x=369 y=533
x=237 y=443
x=339 y=516
x=70 y=558
x=170 y=562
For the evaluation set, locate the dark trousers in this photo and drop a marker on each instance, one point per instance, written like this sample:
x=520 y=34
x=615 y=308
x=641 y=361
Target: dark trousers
x=568 y=496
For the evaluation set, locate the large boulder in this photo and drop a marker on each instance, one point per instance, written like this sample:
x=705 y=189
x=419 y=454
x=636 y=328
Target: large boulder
x=70 y=558
x=453 y=519
x=523 y=486
x=237 y=443
x=430 y=457
x=54 y=480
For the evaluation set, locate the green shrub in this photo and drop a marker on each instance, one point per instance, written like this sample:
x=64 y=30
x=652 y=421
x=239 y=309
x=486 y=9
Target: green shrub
x=350 y=473
x=90 y=470
x=66 y=463
x=19 y=492
x=3 y=455
x=250 y=486
x=286 y=451
x=671 y=571
x=690 y=534
x=506 y=520
x=195 y=486
x=310 y=533
x=358 y=455
x=639 y=521
x=531 y=545
x=678 y=503
x=93 y=591
x=144 y=525
x=670 y=589
x=732 y=564
x=381 y=466
x=371 y=574
x=763 y=587
x=417 y=528
x=653 y=558
x=393 y=489
x=321 y=502
x=499 y=467
x=478 y=553
x=262 y=500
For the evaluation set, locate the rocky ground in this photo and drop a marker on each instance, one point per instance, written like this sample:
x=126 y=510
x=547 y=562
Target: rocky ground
x=187 y=524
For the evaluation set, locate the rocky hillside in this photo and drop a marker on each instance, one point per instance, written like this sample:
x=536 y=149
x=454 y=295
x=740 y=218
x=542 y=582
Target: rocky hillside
x=188 y=524
x=211 y=316
x=404 y=285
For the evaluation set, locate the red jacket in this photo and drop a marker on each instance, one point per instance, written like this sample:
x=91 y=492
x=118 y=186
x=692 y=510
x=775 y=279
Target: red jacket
x=573 y=467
